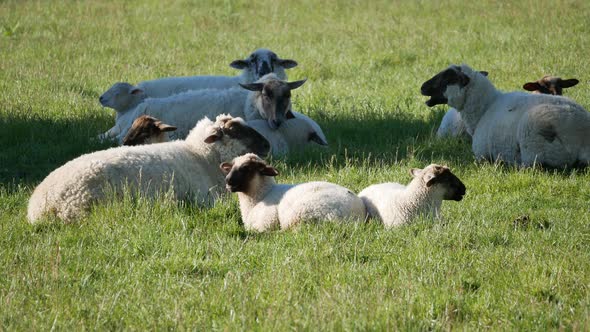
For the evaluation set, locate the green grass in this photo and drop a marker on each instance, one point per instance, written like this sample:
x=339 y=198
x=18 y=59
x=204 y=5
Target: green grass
x=138 y=264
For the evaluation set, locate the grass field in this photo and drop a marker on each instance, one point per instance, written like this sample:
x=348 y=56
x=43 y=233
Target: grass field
x=138 y=264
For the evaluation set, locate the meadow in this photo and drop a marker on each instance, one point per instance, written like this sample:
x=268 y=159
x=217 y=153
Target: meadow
x=513 y=255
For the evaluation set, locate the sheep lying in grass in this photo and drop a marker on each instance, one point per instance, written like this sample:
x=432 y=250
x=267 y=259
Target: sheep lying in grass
x=185 y=109
x=395 y=204
x=518 y=128
x=258 y=64
x=189 y=169
x=147 y=130
x=453 y=126
x=294 y=135
x=265 y=205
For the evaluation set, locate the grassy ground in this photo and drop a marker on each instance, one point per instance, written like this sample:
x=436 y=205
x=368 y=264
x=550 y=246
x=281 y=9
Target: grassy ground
x=137 y=264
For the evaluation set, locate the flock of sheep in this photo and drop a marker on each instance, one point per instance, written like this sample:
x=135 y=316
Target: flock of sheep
x=213 y=130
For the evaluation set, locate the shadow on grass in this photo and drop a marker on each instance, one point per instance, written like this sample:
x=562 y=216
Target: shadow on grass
x=31 y=146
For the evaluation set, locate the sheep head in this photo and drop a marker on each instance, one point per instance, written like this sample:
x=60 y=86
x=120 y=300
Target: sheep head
x=122 y=96
x=244 y=171
x=440 y=178
x=550 y=85
x=273 y=98
x=262 y=62
x=147 y=130
x=237 y=137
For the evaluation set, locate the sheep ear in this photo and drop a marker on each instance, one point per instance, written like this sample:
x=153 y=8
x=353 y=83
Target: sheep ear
x=136 y=91
x=531 y=86
x=414 y=172
x=212 y=138
x=314 y=137
x=430 y=180
x=296 y=84
x=253 y=86
x=484 y=73
x=239 y=64
x=290 y=115
x=568 y=83
x=269 y=171
x=164 y=127
x=226 y=167
x=287 y=63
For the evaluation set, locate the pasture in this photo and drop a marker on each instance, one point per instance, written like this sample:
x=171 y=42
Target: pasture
x=513 y=255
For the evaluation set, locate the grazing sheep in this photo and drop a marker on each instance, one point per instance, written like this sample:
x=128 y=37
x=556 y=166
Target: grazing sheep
x=518 y=128
x=265 y=205
x=187 y=168
x=452 y=125
x=147 y=130
x=395 y=204
x=294 y=135
x=258 y=64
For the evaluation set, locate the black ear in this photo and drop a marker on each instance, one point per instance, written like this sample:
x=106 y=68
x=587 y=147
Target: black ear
x=483 y=72
x=136 y=91
x=296 y=84
x=287 y=63
x=314 y=137
x=239 y=64
x=253 y=86
x=568 y=83
x=226 y=167
x=290 y=115
x=269 y=171
x=531 y=86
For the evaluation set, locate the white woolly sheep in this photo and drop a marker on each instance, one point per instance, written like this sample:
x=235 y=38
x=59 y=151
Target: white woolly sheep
x=258 y=64
x=395 y=204
x=185 y=109
x=452 y=125
x=189 y=169
x=518 y=128
x=265 y=205
x=147 y=130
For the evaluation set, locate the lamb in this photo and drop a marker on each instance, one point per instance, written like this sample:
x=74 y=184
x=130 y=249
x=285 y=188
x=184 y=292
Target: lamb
x=265 y=205
x=147 y=130
x=258 y=64
x=518 y=128
x=187 y=169
x=185 y=109
x=452 y=125
x=395 y=204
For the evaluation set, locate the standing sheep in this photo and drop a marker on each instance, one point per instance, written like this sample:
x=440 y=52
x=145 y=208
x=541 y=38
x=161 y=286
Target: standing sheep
x=187 y=168
x=452 y=125
x=518 y=128
x=395 y=204
x=265 y=205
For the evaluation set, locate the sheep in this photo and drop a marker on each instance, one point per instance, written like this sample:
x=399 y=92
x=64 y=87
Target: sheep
x=395 y=204
x=294 y=135
x=258 y=64
x=452 y=125
x=187 y=169
x=517 y=128
x=147 y=130
x=266 y=205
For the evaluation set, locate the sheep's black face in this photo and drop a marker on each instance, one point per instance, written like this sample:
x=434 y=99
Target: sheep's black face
x=239 y=177
x=146 y=129
x=437 y=85
x=262 y=62
x=455 y=188
x=253 y=140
